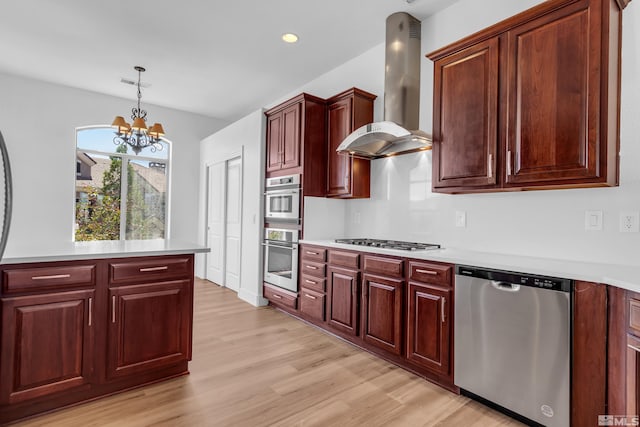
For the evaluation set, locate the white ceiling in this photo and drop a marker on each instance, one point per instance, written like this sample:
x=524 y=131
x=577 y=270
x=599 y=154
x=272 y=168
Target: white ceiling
x=222 y=59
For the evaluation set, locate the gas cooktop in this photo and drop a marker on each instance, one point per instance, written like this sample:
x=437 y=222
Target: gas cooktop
x=389 y=244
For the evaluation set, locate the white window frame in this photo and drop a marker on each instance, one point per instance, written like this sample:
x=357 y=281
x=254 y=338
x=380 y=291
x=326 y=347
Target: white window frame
x=124 y=181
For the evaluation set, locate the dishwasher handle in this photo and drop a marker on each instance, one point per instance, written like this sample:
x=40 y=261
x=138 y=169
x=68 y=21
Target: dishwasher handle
x=505 y=286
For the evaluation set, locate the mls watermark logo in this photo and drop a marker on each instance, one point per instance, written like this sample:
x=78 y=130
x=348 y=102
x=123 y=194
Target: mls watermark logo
x=618 y=420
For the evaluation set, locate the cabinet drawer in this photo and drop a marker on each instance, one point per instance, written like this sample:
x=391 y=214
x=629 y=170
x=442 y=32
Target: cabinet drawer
x=313 y=268
x=313 y=253
x=312 y=282
x=280 y=297
x=430 y=272
x=149 y=270
x=47 y=278
x=344 y=259
x=384 y=266
x=634 y=316
x=312 y=304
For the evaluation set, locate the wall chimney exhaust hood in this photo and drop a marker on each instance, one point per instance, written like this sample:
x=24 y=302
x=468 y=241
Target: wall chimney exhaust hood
x=397 y=134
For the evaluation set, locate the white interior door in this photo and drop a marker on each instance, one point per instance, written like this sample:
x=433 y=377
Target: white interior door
x=233 y=223
x=216 y=222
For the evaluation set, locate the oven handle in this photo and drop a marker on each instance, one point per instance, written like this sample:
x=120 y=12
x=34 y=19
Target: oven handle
x=286 y=191
x=293 y=246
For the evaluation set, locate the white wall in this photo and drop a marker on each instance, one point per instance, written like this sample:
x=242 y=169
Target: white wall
x=246 y=135
x=536 y=223
x=39 y=120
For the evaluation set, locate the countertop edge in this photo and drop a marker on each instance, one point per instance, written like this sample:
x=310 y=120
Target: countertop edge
x=71 y=251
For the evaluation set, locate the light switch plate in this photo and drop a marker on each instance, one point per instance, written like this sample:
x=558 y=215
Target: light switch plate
x=461 y=219
x=593 y=220
x=629 y=222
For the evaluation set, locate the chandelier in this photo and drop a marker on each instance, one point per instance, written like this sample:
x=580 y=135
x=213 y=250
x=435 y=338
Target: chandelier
x=137 y=135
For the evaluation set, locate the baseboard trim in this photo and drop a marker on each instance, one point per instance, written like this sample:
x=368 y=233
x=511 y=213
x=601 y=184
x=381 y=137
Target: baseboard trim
x=252 y=298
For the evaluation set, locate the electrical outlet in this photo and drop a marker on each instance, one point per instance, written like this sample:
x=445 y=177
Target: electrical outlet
x=461 y=219
x=629 y=222
x=593 y=220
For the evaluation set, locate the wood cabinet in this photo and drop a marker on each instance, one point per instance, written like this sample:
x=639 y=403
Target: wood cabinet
x=296 y=142
x=429 y=326
x=347 y=177
x=342 y=299
x=77 y=330
x=466 y=136
x=382 y=312
x=312 y=283
x=47 y=344
x=633 y=374
x=159 y=312
x=530 y=103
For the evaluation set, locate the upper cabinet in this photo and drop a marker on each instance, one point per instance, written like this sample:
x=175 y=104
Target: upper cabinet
x=530 y=103
x=296 y=141
x=347 y=177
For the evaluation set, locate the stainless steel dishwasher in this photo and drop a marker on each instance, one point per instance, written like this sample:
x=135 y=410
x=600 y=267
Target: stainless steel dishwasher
x=512 y=342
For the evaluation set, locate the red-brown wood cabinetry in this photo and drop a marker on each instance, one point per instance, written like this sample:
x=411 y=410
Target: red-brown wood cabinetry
x=347 y=177
x=382 y=310
x=47 y=344
x=296 y=142
x=429 y=326
x=159 y=312
x=342 y=299
x=76 y=330
x=531 y=102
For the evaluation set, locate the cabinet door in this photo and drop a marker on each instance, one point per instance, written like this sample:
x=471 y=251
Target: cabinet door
x=342 y=303
x=633 y=374
x=274 y=142
x=47 y=344
x=466 y=117
x=339 y=166
x=554 y=98
x=291 y=137
x=149 y=327
x=428 y=318
x=382 y=312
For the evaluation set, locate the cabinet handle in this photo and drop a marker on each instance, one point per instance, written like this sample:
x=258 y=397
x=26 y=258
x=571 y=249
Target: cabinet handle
x=144 y=270
x=634 y=348
x=312 y=253
x=490 y=165
x=509 y=163
x=310 y=281
x=53 y=276
x=311 y=267
x=310 y=296
x=431 y=272
x=90 y=310
x=277 y=296
x=113 y=309
x=444 y=301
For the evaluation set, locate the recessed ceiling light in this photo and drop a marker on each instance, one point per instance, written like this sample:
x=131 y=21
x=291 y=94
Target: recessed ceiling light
x=289 y=37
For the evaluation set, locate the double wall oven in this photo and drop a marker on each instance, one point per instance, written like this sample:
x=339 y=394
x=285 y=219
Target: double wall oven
x=282 y=214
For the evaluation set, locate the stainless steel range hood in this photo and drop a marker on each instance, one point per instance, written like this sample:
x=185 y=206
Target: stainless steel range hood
x=398 y=134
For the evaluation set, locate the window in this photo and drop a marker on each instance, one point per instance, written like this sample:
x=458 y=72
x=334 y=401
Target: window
x=119 y=195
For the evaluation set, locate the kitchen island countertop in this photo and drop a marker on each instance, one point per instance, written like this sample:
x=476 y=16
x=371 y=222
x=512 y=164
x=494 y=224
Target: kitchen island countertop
x=70 y=251
x=618 y=275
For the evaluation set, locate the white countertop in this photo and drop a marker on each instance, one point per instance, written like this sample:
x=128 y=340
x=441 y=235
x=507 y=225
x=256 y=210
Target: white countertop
x=621 y=276
x=69 y=251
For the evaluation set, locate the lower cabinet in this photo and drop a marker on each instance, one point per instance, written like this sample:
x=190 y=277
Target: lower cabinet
x=77 y=330
x=47 y=344
x=312 y=304
x=382 y=300
x=150 y=327
x=633 y=374
x=428 y=326
x=342 y=303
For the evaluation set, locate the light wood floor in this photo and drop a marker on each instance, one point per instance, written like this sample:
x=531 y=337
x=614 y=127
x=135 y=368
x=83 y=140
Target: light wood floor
x=259 y=367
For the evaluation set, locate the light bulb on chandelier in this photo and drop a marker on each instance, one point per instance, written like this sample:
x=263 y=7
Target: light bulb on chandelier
x=137 y=135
